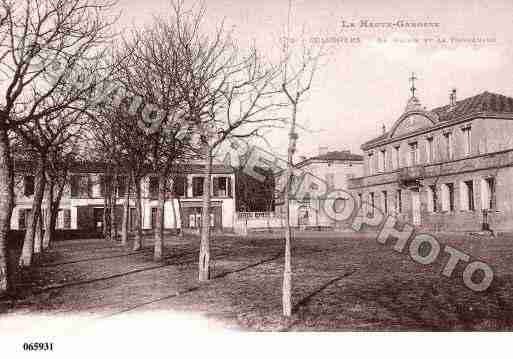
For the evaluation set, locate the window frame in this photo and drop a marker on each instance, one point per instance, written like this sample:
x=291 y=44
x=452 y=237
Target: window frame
x=195 y=179
x=32 y=186
x=430 y=150
x=399 y=201
x=467 y=139
x=414 y=153
x=449 y=145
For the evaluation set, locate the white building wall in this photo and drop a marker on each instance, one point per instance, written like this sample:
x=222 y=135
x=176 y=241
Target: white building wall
x=171 y=207
x=320 y=173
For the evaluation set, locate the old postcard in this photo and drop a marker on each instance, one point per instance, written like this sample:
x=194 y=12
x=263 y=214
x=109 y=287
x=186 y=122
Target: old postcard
x=174 y=173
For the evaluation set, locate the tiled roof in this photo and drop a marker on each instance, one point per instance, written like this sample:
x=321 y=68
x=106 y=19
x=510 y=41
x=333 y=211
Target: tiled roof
x=376 y=139
x=484 y=102
x=333 y=156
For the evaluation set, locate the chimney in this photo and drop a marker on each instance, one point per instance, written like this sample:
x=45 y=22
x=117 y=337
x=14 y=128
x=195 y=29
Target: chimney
x=384 y=129
x=452 y=98
x=323 y=150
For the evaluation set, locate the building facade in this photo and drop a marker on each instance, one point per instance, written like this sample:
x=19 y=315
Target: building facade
x=82 y=203
x=445 y=169
x=314 y=178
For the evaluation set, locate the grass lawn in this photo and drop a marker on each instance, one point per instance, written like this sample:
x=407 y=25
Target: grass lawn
x=341 y=281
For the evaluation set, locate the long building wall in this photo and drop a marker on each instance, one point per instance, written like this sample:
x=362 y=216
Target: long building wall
x=85 y=212
x=497 y=165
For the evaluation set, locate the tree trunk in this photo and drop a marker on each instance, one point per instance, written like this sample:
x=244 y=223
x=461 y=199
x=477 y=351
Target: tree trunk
x=204 y=255
x=287 y=267
x=56 y=203
x=138 y=215
x=106 y=199
x=287 y=270
x=38 y=235
x=48 y=233
x=113 y=219
x=6 y=206
x=28 y=243
x=126 y=213
x=180 y=216
x=159 y=230
x=53 y=219
x=172 y=198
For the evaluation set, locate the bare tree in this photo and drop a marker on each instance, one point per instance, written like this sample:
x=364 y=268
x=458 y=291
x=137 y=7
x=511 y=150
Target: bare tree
x=42 y=41
x=43 y=135
x=57 y=178
x=228 y=94
x=298 y=74
x=119 y=140
x=151 y=72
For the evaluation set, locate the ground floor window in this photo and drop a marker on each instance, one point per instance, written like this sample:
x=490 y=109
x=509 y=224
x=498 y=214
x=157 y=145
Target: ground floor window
x=154 y=217
x=448 y=197
x=467 y=195
x=371 y=201
x=432 y=198
x=384 y=201
x=66 y=218
x=488 y=193
x=398 y=201
x=304 y=215
x=195 y=218
x=98 y=217
x=133 y=219
x=23 y=216
x=192 y=215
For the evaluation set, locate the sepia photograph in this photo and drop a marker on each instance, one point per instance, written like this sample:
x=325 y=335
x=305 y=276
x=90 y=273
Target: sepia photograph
x=255 y=178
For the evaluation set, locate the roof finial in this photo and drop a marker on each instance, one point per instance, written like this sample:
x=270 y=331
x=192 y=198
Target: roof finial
x=412 y=80
x=452 y=97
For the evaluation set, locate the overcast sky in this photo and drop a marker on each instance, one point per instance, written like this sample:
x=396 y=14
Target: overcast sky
x=362 y=86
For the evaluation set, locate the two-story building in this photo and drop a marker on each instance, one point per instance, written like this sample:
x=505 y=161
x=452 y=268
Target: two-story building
x=314 y=178
x=82 y=203
x=445 y=168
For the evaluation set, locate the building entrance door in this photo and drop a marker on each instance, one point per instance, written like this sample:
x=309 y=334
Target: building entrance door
x=98 y=218
x=303 y=216
x=415 y=206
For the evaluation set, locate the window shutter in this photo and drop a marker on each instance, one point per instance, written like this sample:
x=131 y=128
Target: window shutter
x=229 y=186
x=215 y=185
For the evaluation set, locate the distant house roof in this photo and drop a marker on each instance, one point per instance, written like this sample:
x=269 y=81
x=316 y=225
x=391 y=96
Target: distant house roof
x=344 y=155
x=483 y=103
